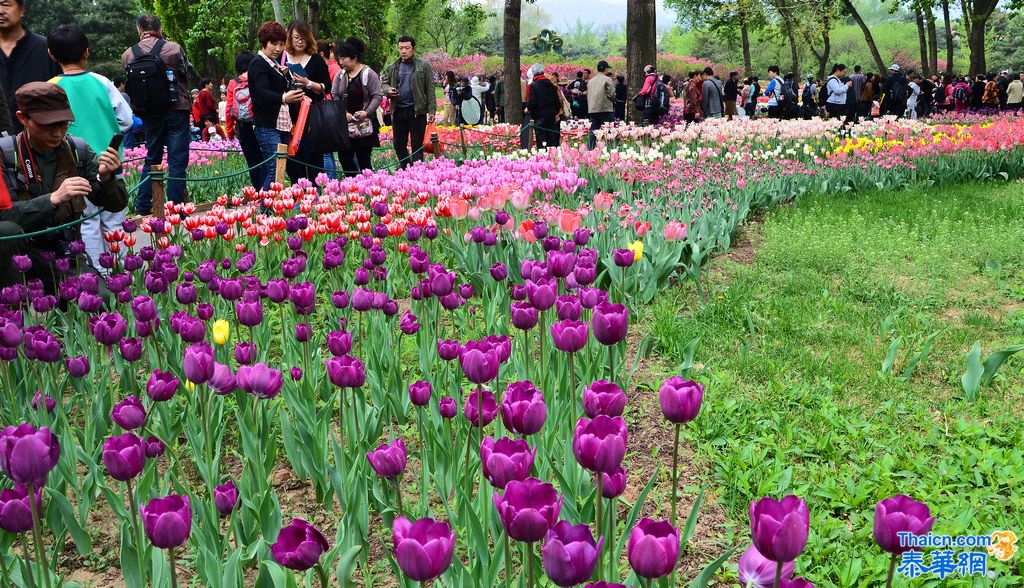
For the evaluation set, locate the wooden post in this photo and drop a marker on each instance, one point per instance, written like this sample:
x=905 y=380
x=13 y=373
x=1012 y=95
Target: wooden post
x=435 y=144
x=156 y=184
x=282 y=154
x=462 y=139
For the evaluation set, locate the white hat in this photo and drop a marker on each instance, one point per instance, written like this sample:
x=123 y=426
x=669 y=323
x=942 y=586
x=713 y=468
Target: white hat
x=894 y=67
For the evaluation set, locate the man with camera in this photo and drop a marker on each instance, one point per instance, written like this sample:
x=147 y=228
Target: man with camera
x=47 y=176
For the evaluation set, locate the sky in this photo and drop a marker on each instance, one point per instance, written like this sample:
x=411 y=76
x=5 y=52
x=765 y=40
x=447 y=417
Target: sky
x=599 y=12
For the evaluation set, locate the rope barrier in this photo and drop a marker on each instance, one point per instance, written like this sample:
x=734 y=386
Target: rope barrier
x=225 y=176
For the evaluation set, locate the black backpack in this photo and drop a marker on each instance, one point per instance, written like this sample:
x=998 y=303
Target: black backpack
x=146 y=79
x=899 y=89
x=661 y=100
x=940 y=93
x=808 y=95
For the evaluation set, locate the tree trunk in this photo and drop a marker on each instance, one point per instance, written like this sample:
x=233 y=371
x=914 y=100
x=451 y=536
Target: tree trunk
x=641 y=45
x=949 y=36
x=933 y=42
x=976 y=15
x=870 y=40
x=787 y=21
x=512 y=75
x=922 y=42
x=278 y=15
x=313 y=13
x=745 y=39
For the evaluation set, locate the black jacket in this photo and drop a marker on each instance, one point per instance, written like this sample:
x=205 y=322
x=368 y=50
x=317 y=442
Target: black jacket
x=731 y=90
x=266 y=87
x=29 y=62
x=543 y=102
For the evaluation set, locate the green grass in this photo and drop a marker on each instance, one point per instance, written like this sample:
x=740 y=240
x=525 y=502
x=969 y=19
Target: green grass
x=792 y=348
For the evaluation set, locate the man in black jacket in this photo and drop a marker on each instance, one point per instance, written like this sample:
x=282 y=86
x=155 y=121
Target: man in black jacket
x=894 y=91
x=544 y=105
x=732 y=92
x=23 y=59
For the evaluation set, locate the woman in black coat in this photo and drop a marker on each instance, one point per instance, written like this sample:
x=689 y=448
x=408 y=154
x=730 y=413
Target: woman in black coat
x=300 y=49
x=544 y=105
x=271 y=92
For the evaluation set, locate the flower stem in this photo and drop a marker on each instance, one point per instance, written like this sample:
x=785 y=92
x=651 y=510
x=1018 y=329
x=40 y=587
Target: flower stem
x=597 y=500
x=892 y=570
x=675 y=477
x=37 y=535
x=508 y=562
x=778 y=575
x=611 y=362
x=174 y=568
x=529 y=564
x=139 y=549
x=26 y=571
x=398 y=494
x=324 y=583
x=423 y=463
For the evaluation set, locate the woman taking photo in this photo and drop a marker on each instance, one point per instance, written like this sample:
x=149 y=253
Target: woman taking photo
x=272 y=95
x=358 y=88
x=301 y=50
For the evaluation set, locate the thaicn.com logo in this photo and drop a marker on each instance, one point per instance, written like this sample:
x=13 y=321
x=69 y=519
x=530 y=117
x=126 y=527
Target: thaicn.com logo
x=954 y=555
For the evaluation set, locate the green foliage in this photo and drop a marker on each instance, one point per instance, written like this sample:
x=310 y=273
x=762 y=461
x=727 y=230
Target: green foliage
x=798 y=404
x=109 y=25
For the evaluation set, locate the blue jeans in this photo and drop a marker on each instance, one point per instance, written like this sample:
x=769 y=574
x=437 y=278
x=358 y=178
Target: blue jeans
x=268 y=139
x=171 y=130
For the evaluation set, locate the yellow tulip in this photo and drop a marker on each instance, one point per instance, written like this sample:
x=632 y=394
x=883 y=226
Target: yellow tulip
x=637 y=247
x=189 y=386
x=221 y=331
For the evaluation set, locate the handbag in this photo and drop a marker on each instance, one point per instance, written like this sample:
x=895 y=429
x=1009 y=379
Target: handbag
x=326 y=131
x=357 y=129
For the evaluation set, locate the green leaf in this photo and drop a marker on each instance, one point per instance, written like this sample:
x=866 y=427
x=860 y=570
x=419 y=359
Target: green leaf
x=971 y=379
x=890 y=356
x=67 y=511
x=346 y=564
x=996 y=359
x=702 y=579
x=634 y=513
x=690 y=527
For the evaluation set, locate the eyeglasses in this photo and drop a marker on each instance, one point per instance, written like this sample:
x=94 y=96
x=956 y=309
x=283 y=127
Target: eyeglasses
x=54 y=127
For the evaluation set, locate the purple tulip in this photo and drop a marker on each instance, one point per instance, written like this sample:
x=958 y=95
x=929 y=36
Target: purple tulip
x=541 y=294
x=346 y=371
x=569 y=336
x=523 y=409
x=613 y=484
x=653 y=548
x=144 y=309
x=303 y=297
x=623 y=257
x=296 y=373
x=487 y=405
x=423 y=548
x=225 y=497
x=757 y=571
x=779 y=528
x=154 y=447
x=409 y=324
x=259 y=380
x=568 y=307
x=28 y=455
x=479 y=361
x=231 y=289
x=124 y=456
x=129 y=414
x=299 y=546
x=528 y=509
x=447 y=407
x=21 y=263
x=249 y=314
x=603 y=397
x=109 y=328
x=15 y=510
x=505 y=460
x=167 y=521
x=583 y=274
x=610 y=323
x=303 y=333
x=245 y=353
x=340 y=299
x=600 y=444
x=223 y=381
x=900 y=514
x=40 y=400
x=570 y=553
x=161 y=386
x=185 y=293
x=499 y=272
x=198 y=363
x=797 y=582
x=524 y=316
x=339 y=342
x=204 y=311
x=680 y=399
x=604 y=584
x=560 y=263
x=448 y=349
x=388 y=460
x=419 y=393
x=131 y=349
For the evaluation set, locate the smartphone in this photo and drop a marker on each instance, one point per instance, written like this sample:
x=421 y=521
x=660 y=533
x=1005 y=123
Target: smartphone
x=298 y=69
x=115 y=142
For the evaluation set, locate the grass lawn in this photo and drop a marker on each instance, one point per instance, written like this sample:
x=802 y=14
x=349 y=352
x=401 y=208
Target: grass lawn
x=805 y=347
